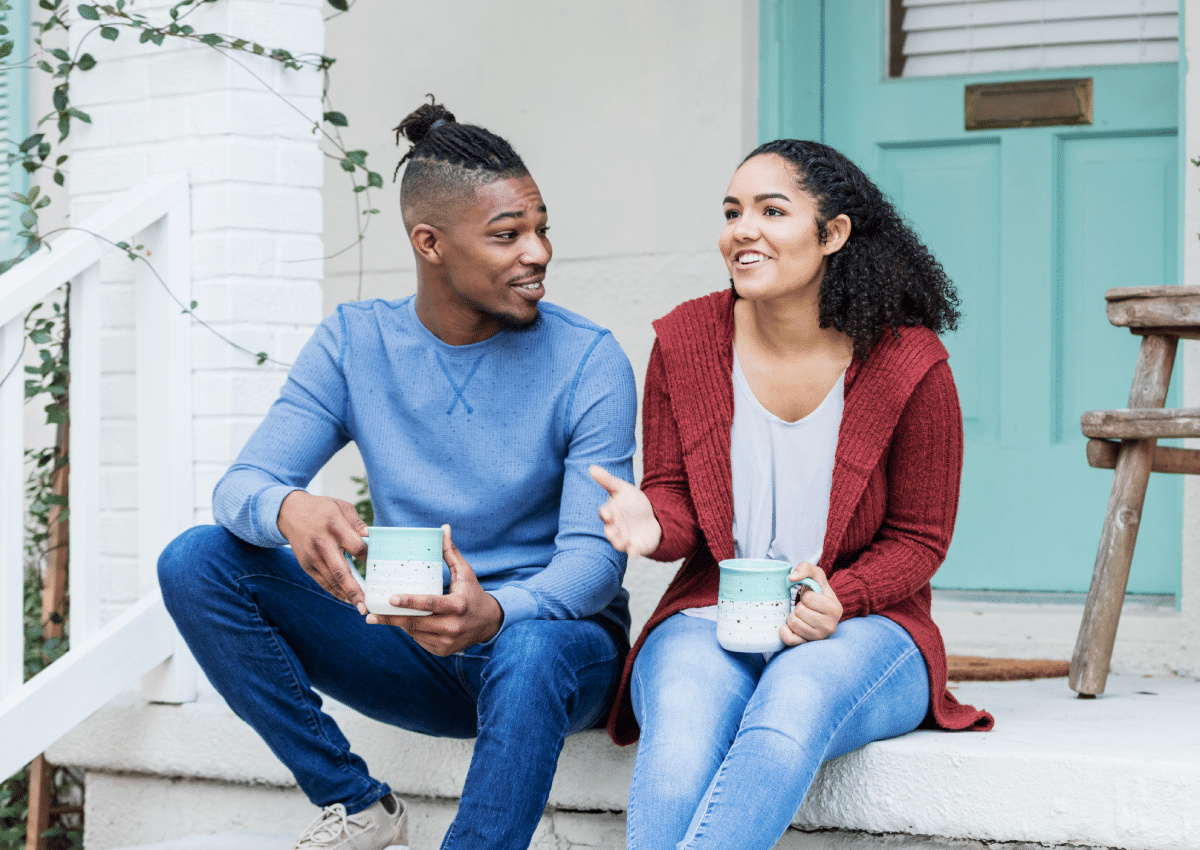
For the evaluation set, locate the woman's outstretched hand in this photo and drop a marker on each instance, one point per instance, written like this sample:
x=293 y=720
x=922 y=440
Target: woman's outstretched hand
x=629 y=521
x=816 y=615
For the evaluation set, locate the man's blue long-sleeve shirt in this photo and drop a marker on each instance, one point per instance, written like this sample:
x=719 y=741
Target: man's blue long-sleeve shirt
x=494 y=438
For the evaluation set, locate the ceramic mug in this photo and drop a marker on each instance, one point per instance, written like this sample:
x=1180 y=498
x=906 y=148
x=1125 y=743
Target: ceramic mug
x=406 y=561
x=754 y=600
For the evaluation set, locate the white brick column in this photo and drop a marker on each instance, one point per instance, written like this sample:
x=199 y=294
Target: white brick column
x=255 y=171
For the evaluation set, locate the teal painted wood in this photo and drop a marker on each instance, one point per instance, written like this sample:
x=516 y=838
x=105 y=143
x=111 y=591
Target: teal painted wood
x=14 y=123
x=1033 y=225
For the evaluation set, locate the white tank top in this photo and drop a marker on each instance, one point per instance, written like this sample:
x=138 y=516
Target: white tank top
x=782 y=476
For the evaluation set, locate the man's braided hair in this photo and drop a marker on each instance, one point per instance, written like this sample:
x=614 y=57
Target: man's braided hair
x=444 y=151
x=883 y=277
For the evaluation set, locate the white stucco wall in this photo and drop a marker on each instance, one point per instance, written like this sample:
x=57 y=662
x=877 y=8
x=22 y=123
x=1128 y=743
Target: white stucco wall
x=631 y=116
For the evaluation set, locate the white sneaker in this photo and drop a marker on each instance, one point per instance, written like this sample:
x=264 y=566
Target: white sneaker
x=373 y=828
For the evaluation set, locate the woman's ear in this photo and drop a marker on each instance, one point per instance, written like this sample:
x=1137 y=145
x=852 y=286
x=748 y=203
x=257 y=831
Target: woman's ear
x=427 y=243
x=838 y=229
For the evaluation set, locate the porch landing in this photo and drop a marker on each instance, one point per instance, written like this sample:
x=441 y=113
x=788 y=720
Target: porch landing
x=1119 y=771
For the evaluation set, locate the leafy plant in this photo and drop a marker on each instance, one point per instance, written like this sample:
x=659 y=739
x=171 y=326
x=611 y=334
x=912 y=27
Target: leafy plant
x=48 y=329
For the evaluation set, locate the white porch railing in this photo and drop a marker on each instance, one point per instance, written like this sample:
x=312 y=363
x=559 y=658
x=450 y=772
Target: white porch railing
x=142 y=642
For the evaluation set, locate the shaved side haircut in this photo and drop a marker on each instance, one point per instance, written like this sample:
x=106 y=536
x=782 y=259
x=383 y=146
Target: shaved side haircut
x=447 y=162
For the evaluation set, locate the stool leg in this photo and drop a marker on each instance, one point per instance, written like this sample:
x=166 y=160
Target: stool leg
x=1098 y=631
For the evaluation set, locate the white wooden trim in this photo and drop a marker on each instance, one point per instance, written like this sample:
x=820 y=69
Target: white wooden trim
x=164 y=404
x=84 y=558
x=67 y=692
x=12 y=507
x=132 y=212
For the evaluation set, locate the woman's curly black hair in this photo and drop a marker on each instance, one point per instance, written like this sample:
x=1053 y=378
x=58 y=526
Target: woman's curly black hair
x=883 y=277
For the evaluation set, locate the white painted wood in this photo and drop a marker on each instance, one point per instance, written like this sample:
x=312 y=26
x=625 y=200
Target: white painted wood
x=12 y=490
x=981 y=36
x=84 y=559
x=132 y=212
x=164 y=404
x=67 y=692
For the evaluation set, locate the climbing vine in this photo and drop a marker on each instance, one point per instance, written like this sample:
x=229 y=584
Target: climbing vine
x=43 y=156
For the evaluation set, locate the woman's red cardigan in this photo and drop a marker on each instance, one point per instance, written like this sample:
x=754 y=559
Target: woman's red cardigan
x=892 y=504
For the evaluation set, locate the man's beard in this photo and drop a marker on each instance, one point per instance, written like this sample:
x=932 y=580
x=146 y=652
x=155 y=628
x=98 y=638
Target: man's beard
x=512 y=323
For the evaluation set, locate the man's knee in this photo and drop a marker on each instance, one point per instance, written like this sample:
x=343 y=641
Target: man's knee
x=189 y=558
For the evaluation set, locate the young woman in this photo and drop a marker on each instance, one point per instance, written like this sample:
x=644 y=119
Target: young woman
x=807 y=415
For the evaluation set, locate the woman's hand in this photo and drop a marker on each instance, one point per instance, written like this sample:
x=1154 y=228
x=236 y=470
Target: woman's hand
x=816 y=615
x=629 y=521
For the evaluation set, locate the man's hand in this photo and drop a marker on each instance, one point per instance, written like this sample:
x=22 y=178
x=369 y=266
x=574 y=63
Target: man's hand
x=816 y=615
x=629 y=521
x=319 y=529
x=465 y=616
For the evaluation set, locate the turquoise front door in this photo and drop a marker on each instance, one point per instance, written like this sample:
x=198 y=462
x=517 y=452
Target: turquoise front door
x=1033 y=225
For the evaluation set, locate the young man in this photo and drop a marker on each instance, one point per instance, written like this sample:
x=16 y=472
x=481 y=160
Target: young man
x=472 y=408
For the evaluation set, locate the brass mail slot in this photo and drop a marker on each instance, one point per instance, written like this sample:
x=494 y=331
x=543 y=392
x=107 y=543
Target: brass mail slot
x=1035 y=103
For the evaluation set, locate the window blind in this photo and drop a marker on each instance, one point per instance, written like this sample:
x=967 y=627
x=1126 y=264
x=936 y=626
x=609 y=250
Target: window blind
x=943 y=37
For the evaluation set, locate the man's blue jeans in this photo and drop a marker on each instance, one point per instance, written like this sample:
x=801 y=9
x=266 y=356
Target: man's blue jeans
x=731 y=743
x=266 y=635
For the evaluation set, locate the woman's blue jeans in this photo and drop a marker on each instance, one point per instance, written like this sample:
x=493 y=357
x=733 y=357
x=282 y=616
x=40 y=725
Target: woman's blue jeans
x=266 y=635
x=731 y=743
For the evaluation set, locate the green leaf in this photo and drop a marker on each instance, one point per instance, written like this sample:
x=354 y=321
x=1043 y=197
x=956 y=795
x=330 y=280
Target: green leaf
x=358 y=189
x=59 y=53
x=58 y=178
x=212 y=39
x=42 y=203
x=157 y=38
x=55 y=415
x=82 y=116
x=144 y=37
x=32 y=142
x=238 y=43
x=260 y=358
x=41 y=337
x=33 y=193
x=357 y=157
x=88 y=12
x=45 y=66
x=87 y=62
x=64 y=125
x=60 y=98
x=29 y=218
x=110 y=33
x=61 y=160
x=346 y=165
x=374 y=179
x=337 y=119
x=6 y=48
x=340 y=5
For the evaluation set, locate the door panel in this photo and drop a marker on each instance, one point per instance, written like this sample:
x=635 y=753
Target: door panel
x=1033 y=225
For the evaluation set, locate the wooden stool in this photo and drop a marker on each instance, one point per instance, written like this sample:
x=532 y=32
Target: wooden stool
x=1161 y=315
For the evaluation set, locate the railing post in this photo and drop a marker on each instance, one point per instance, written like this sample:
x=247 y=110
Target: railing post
x=85 y=455
x=164 y=417
x=12 y=508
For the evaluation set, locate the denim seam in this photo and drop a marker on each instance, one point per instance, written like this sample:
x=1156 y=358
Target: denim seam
x=883 y=677
x=314 y=726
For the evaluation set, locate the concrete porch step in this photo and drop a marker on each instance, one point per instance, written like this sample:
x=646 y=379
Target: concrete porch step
x=224 y=841
x=1120 y=771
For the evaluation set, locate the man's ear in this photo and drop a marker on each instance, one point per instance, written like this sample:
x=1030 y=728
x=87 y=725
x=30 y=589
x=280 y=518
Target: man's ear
x=427 y=242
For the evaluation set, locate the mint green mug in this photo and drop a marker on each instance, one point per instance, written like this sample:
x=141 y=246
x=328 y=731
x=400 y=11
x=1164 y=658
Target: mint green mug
x=406 y=561
x=754 y=600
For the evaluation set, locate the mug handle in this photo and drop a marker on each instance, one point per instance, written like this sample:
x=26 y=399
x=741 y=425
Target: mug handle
x=807 y=581
x=367 y=540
